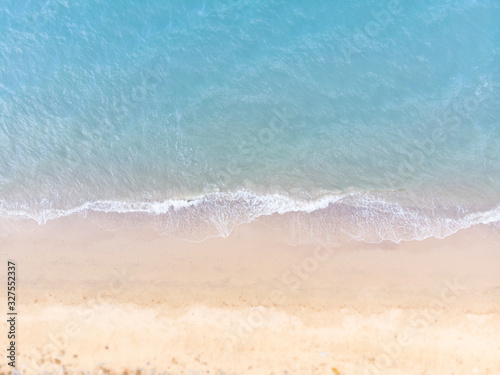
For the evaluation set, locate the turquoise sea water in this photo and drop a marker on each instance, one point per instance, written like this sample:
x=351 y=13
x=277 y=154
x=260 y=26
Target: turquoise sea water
x=370 y=119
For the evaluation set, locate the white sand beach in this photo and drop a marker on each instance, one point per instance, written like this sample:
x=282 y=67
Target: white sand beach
x=133 y=302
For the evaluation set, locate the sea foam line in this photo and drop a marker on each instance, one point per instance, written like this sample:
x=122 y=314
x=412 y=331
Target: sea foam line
x=267 y=204
x=221 y=212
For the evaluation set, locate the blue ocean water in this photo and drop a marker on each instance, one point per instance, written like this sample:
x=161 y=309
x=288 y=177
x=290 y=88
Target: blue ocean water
x=370 y=119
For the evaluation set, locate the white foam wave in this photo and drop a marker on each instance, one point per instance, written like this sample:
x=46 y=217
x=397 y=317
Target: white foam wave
x=371 y=217
x=264 y=204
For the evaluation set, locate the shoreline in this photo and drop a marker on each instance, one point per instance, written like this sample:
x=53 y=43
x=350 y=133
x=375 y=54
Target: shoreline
x=371 y=216
x=251 y=303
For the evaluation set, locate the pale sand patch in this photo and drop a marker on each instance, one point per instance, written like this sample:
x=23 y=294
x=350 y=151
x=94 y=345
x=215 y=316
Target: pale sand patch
x=104 y=301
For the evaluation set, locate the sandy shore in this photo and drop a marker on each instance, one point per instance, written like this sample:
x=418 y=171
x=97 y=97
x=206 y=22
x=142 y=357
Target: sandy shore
x=130 y=302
